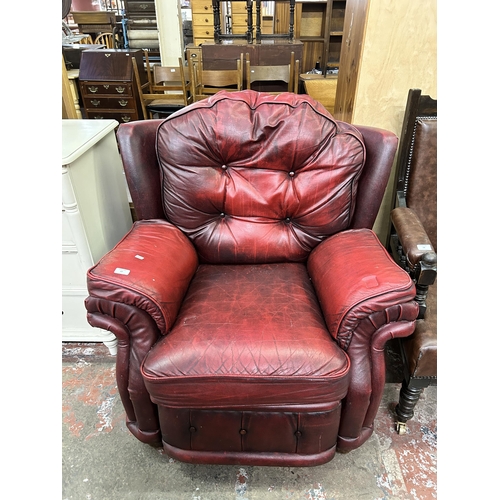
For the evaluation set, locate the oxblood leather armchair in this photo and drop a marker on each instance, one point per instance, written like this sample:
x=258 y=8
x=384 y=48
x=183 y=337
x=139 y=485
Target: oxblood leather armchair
x=251 y=300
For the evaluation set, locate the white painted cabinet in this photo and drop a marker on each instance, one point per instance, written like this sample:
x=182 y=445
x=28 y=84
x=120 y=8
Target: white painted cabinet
x=95 y=216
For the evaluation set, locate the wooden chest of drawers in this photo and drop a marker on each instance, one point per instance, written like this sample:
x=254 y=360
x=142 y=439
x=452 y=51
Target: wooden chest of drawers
x=239 y=17
x=107 y=84
x=203 y=21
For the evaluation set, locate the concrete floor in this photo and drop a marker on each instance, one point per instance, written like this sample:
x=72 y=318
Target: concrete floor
x=101 y=460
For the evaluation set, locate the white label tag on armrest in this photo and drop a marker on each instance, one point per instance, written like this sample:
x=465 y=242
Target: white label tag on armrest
x=424 y=247
x=119 y=270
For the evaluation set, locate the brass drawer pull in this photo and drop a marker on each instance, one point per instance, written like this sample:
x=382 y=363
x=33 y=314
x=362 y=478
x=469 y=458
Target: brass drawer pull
x=125 y=119
x=95 y=102
x=93 y=89
x=122 y=102
x=120 y=90
x=143 y=6
x=106 y=86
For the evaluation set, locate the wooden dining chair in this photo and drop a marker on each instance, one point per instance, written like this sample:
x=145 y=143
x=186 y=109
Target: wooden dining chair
x=159 y=98
x=107 y=39
x=284 y=75
x=205 y=83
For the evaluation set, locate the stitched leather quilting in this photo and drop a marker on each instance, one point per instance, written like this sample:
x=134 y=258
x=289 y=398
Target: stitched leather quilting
x=267 y=187
x=242 y=329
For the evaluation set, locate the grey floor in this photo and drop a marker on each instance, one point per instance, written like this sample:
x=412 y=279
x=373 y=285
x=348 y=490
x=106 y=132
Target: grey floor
x=101 y=460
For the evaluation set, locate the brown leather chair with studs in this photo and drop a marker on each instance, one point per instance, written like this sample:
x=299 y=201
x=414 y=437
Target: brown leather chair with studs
x=413 y=243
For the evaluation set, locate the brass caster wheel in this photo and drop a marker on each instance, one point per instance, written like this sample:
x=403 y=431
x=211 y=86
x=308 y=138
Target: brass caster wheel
x=401 y=428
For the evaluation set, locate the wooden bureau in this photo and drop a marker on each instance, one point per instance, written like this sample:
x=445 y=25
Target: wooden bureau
x=107 y=84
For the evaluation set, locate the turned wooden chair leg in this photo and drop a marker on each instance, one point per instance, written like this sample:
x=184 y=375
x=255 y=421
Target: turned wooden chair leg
x=408 y=398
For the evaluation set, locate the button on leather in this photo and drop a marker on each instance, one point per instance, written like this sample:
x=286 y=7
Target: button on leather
x=291 y=174
x=298 y=434
x=222 y=214
x=288 y=219
x=243 y=432
x=192 y=429
x=224 y=167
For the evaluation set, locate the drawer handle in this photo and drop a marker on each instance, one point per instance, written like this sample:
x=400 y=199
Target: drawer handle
x=207 y=21
x=93 y=89
x=125 y=119
x=120 y=90
x=122 y=102
x=106 y=87
x=95 y=102
x=206 y=8
x=107 y=55
x=143 y=6
x=98 y=117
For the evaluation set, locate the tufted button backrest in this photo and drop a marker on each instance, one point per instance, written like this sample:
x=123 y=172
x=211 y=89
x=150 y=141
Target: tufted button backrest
x=252 y=178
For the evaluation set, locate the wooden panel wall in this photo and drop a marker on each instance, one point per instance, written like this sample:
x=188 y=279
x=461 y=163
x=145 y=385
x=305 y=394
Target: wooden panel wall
x=352 y=45
x=399 y=53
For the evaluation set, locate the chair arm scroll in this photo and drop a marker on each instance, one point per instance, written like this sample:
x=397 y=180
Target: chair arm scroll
x=135 y=292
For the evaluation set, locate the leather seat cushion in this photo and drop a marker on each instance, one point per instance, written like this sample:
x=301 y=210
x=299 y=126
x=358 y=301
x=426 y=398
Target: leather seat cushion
x=248 y=336
x=420 y=348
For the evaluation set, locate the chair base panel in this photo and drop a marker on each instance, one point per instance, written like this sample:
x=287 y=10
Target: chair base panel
x=259 y=437
x=246 y=458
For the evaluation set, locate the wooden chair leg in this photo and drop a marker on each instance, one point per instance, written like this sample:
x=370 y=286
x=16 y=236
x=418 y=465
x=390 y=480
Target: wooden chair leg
x=408 y=398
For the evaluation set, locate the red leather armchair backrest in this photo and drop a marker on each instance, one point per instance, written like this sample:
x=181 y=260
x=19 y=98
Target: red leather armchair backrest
x=256 y=178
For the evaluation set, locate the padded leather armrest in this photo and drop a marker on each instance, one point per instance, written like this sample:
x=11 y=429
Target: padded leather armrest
x=366 y=299
x=413 y=237
x=354 y=277
x=150 y=268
